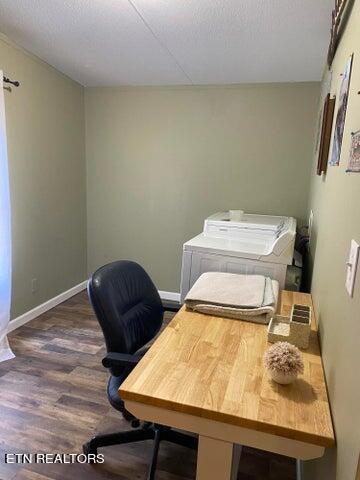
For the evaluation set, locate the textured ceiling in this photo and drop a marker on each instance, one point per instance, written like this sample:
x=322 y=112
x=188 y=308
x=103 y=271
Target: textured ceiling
x=164 y=42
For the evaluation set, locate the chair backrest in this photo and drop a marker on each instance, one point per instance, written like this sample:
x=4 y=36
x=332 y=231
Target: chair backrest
x=127 y=305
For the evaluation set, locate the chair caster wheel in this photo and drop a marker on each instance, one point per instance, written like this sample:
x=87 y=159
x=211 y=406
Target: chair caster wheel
x=135 y=423
x=88 y=448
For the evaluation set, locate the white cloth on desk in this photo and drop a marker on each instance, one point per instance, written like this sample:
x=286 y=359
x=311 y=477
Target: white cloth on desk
x=243 y=297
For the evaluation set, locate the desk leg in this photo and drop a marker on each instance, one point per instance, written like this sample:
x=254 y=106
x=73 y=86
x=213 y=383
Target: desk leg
x=217 y=460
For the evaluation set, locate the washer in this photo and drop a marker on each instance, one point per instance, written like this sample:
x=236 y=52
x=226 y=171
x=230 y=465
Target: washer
x=239 y=243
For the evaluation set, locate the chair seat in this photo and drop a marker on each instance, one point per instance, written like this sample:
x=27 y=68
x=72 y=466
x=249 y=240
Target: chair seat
x=115 y=381
x=113 y=391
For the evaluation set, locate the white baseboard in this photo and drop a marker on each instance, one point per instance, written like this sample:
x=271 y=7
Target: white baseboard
x=173 y=296
x=53 y=302
x=44 y=307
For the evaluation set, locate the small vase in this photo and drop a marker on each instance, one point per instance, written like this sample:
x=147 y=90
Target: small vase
x=282 y=378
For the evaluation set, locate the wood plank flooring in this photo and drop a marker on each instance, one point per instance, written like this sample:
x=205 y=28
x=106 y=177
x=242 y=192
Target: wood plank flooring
x=53 y=399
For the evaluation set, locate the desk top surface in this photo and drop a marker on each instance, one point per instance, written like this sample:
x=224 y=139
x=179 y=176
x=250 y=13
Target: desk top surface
x=212 y=367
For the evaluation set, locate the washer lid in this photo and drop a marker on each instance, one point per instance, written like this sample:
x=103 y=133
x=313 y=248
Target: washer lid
x=246 y=248
x=269 y=223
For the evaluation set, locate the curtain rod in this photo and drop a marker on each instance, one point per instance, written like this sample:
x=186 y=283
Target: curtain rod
x=13 y=82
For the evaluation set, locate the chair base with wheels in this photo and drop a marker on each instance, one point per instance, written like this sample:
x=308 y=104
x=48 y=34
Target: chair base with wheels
x=148 y=431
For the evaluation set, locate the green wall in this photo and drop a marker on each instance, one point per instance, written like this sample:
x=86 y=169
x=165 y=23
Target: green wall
x=335 y=201
x=46 y=151
x=160 y=160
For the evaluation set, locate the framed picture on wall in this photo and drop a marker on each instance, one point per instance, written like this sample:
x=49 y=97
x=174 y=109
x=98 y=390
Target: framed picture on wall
x=336 y=27
x=341 y=113
x=325 y=89
x=354 y=159
x=325 y=137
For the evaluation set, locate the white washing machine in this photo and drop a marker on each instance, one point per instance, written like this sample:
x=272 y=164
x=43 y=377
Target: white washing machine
x=240 y=243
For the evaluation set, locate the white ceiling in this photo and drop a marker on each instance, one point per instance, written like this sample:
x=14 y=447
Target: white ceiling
x=164 y=42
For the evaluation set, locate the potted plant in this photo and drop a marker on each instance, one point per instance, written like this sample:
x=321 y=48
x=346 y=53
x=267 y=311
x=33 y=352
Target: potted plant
x=283 y=362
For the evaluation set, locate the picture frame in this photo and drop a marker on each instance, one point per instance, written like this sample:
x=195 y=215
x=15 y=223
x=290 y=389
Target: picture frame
x=341 y=113
x=336 y=28
x=326 y=130
x=354 y=157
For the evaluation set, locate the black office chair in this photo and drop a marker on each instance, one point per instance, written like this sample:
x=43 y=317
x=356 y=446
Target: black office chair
x=130 y=312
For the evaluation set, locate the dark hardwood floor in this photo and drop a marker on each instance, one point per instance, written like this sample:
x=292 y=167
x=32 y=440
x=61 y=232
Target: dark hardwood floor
x=53 y=399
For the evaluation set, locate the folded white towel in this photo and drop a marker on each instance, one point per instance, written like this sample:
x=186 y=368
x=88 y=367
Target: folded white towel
x=244 y=297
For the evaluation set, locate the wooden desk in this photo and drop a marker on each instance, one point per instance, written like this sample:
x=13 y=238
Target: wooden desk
x=205 y=374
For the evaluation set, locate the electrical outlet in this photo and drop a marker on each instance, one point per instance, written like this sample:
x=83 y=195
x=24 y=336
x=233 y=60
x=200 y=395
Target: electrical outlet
x=351 y=266
x=34 y=285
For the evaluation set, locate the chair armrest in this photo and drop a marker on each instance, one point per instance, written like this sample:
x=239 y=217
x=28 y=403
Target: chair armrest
x=170 y=306
x=114 y=359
